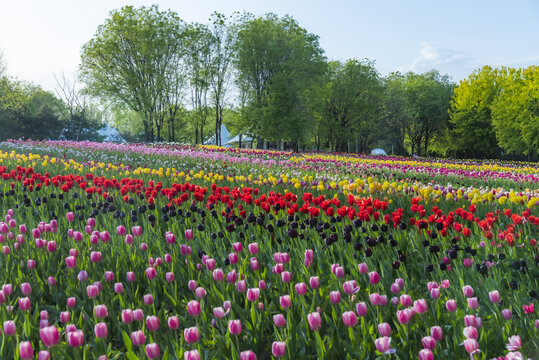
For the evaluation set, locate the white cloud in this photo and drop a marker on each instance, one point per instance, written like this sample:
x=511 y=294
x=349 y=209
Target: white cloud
x=455 y=63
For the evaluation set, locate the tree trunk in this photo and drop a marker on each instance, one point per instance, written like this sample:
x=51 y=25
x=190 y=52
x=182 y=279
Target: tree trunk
x=240 y=141
x=202 y=135
x=196 y=135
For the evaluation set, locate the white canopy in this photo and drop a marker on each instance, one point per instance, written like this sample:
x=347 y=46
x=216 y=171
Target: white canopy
x=378 y=152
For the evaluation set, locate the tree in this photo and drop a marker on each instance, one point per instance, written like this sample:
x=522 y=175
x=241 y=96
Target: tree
x=224 y=31
x=277 y=61
x=471 y=114
x=352 y=104
x=199 y=63
x=130 y=59
x=3 y=65
x=515 y=111
x=396 y=118
x=81 y=118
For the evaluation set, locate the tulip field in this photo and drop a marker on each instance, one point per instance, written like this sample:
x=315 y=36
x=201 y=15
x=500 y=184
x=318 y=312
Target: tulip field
x=161 y=251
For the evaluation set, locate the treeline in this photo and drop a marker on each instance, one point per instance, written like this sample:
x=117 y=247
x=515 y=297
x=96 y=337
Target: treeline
x=268 y=78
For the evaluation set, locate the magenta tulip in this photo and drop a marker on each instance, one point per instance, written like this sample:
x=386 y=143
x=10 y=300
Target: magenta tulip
x=49 y=335
x=138 y=338
x=383 y=345
x=191 y=335
x=26 y=351
x=191 y=355
x=278 y=348
x=152 y=323
x=101 y=331
x=315 y=321
x=279 y=320
x=153 y=351
x=349 y=318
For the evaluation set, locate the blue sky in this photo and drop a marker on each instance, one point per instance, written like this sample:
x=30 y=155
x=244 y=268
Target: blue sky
x=41 y=38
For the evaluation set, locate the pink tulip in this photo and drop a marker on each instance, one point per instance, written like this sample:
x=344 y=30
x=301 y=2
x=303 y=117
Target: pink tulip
x=395 y=288
x=31 y=264
x=92 y=291
x=285 y=301
x=71 y=302
x=309 y=257
x=315 y=321
x=200 y=292
x=361 y=309
x=193 y=308
x=192 y=285
x=314 y=282
x=471 y=346
x=138 y=338
x=247 y=355
x=26 y=351
x=101 y=331
x=339 y=272
x=10 y=328
x=334 y=297
x=278 y=348
x=24 y=304
x=65 y=316
x=191 y=335
x=349 y=318
x=233 y=258
x=104 y=236
x=26 y=289
x=374 y=278
x=279 y=320
x=127 y=316
x=51 y=246
x=514 y=343
x=451 y=305
x=82 y=276
x=70 y=216
x=286 y=276
x=253 y=248
x=44 y=355
x=100 y=311
x=383 y=345
x=470 y=332
x=404 y=316
x=71 y=262
x=191 y=355
x=494 y=296
x=234 y=327
x=253 y=294
x=467 y=263
x=406 y=300
x=426 y=354
x=420 y=306
x=129 y=239
x=470 y=320
x=384 y=329
x=241 y=285
x=363 y=268
x=152 y=351
x=189 y=234
x=507 y=314
x=436 y=332
x=375 y=299
x=109 y=276
x=468 y=291
x=151 y=273
x=49 y=335
x=435 y=293
x=218 y=275
x=152 y=323
x=301 y=288
x=472 y=303
x=219 y=312
x=255 y=266
x=350 y=287
x=118 y=288
x=138 y=314
x=428 y=342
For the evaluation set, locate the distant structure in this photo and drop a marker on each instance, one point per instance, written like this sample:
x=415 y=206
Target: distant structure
x=228 y=141
x=110 y=134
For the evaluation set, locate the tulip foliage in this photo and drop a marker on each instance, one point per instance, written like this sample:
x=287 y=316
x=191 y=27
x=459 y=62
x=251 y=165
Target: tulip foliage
x=238 y=254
